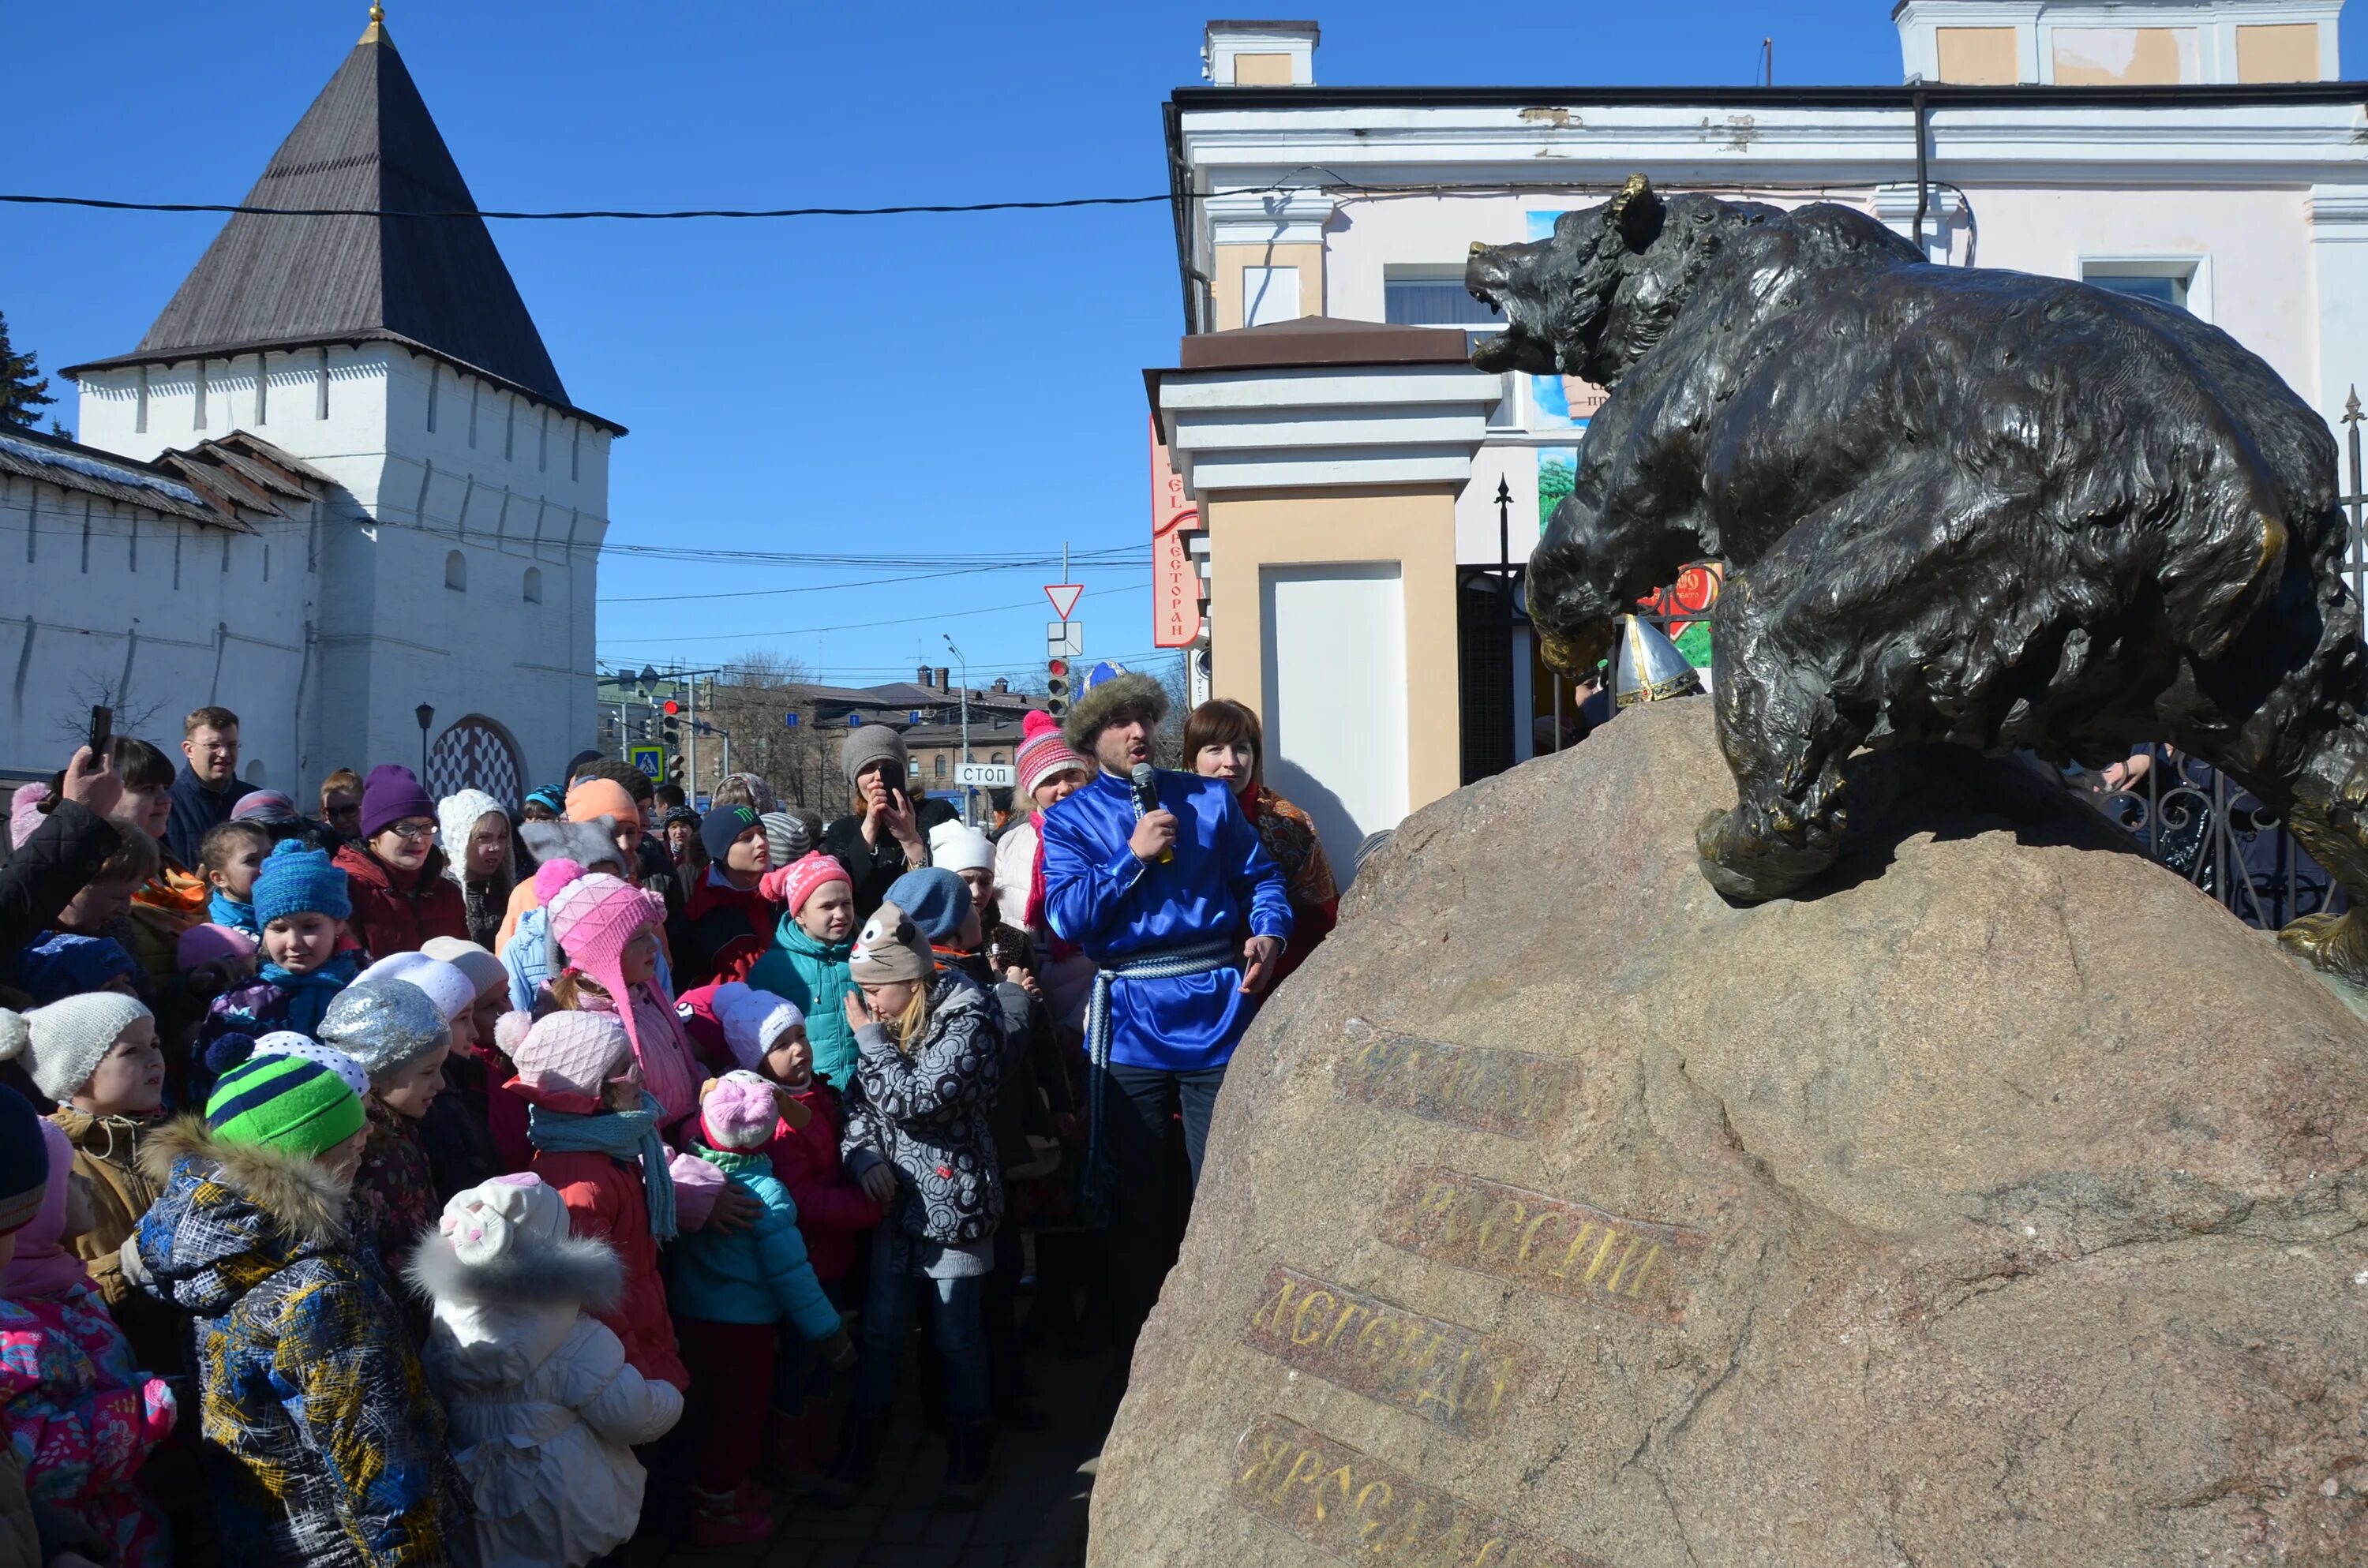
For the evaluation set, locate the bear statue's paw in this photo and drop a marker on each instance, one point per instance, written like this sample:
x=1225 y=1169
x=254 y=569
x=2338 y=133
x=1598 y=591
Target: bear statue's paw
x=2337 y=944
x=1750 y=868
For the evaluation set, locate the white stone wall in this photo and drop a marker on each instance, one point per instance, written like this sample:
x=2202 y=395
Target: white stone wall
x=108 y=600
x=507 y=483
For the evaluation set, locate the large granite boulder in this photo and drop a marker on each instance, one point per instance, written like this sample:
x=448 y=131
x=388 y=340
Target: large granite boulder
x=2000 y=1204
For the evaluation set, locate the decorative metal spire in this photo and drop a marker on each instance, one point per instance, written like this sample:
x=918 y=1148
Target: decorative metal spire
x=376 y=31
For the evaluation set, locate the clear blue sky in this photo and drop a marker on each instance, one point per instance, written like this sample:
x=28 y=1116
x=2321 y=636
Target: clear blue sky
x=917 y=385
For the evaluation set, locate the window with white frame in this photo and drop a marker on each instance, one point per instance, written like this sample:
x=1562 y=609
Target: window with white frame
x=2181 y=282
x=1432 y=296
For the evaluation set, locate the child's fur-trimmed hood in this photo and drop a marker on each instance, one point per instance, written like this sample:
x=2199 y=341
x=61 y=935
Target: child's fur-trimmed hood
x=296 y=1192
x=574 y=1271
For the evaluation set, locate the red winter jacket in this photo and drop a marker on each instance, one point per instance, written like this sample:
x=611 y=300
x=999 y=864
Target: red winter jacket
x=604 y=1199
x=833 y=1212
x=396 y=914
x=728 y=929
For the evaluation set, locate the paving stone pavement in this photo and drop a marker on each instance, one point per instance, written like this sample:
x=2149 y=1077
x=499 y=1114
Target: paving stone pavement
x=1034 y=1515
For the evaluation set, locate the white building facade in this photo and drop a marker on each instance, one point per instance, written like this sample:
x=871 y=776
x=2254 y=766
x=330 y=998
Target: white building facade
x=2199 y=152
x=451 y=562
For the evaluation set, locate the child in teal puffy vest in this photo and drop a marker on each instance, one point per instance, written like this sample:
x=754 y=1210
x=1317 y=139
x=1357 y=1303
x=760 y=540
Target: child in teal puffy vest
x=728 y=1292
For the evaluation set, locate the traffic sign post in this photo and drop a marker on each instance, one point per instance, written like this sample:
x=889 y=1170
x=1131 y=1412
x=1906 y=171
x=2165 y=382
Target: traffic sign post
x=650 y=761
x=1064 y=639
x=985 y=774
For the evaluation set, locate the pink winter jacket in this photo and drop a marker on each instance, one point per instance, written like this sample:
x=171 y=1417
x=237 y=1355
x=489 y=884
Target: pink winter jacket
x=81 y=1419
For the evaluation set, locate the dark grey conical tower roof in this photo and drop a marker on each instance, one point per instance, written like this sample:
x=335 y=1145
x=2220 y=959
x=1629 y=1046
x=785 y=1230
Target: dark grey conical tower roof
x=367 y=142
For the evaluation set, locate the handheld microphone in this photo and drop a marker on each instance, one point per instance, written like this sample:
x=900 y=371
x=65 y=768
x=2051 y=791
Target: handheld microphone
x=1146 y=799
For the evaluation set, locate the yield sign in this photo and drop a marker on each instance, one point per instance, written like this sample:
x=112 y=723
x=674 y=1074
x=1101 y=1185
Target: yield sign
x=1064 y=597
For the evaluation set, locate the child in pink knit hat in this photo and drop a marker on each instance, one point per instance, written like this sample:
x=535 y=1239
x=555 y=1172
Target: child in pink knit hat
x=729 y=1292
x=595 y=1130
x=608 y=929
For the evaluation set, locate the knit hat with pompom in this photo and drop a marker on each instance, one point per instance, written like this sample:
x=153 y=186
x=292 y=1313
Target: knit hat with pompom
x=66 y=1040
x=1043 y=753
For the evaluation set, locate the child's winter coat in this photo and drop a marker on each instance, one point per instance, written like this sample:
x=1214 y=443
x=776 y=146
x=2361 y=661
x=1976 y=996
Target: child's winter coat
x=78 y=1416
x=930 y=1115
x=813 y=973
x=393 y=1198
x=328 y=1447
x=758 y=1275
x=833 y=1212
x=544 y=1410
x=279 y=1000
x=106 y=1151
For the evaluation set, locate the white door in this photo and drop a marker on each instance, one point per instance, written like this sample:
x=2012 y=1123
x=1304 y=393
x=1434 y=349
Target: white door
x=1336 y=698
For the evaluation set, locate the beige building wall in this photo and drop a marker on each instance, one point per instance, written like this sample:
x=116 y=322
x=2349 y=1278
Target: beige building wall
x=1414 y=526
x=2279 y=52
x=2106 y=57
x=1231 y=259
x=1262 y=70
x=1979 y=57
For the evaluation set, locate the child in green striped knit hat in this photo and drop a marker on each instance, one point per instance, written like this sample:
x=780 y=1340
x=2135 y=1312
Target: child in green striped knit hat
x=251 y=1238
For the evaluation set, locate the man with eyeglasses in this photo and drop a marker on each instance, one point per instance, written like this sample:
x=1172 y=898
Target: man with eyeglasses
x=208 y=785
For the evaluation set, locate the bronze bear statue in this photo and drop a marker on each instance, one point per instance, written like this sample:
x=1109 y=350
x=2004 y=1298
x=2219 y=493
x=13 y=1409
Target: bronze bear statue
x=1955 y=505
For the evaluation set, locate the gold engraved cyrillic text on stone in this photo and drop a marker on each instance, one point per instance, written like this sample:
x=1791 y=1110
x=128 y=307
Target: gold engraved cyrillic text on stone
x=1508 y=1092
x=1453 y=1377
x=1547 y=1244
x=1343 y=1502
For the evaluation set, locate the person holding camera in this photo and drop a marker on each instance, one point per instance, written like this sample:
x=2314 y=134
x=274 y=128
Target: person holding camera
x=888 y=832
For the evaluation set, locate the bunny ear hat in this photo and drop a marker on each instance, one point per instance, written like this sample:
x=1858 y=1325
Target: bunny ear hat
x=507 y=1242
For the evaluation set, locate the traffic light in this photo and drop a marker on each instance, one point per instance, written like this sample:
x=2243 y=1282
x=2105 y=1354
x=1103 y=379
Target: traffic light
x=1056 y=686
x=669 y=731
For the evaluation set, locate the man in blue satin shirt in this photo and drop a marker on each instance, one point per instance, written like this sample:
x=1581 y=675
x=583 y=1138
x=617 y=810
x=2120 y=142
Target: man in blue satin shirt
x=1184 y=915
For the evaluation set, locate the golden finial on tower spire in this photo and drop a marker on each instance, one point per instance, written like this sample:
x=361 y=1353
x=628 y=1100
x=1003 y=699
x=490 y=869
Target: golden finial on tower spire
x=376 y=31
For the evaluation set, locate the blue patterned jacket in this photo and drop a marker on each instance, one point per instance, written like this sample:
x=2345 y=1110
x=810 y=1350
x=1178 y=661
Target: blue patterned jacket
x=328 y=1447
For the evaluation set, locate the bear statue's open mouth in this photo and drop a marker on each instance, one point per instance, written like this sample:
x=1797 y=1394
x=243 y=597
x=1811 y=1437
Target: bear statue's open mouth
x=1486 y=278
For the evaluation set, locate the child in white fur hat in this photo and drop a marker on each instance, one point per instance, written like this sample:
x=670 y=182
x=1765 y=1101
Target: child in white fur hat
x=544 y=1410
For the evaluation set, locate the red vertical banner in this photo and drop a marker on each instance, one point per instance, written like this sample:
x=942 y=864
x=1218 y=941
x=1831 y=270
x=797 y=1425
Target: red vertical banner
x=1174 y=586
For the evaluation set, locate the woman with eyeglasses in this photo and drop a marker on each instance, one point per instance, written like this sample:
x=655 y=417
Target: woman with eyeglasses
x=401 y=895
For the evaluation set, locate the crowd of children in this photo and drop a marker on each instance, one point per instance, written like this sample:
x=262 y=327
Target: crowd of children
x=411 y=1184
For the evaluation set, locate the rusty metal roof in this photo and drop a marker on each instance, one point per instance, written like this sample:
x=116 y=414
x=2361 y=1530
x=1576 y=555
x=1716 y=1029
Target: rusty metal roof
x=367 y=141
x=224 y=484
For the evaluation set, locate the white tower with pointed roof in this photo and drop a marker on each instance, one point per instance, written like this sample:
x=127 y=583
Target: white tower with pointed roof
x=456 y=568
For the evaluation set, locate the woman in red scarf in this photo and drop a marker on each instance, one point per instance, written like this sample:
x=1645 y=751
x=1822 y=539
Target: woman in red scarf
x=1222 y=739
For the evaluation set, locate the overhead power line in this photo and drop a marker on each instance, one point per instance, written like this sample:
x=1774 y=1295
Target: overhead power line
x=106 y=205
x=758 y=636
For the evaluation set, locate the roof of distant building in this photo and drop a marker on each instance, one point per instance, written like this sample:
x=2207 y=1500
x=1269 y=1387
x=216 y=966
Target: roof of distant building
x=437 y=284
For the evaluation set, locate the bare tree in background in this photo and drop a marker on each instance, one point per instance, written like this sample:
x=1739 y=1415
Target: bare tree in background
x=104 y=691
x=748 y=702
x=1167 y=743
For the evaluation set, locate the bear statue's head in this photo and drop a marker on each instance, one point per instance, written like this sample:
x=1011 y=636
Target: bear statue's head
x=1594 y=298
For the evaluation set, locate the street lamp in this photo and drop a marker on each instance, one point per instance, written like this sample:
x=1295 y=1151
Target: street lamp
x=426 y=716
x=960 y=658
